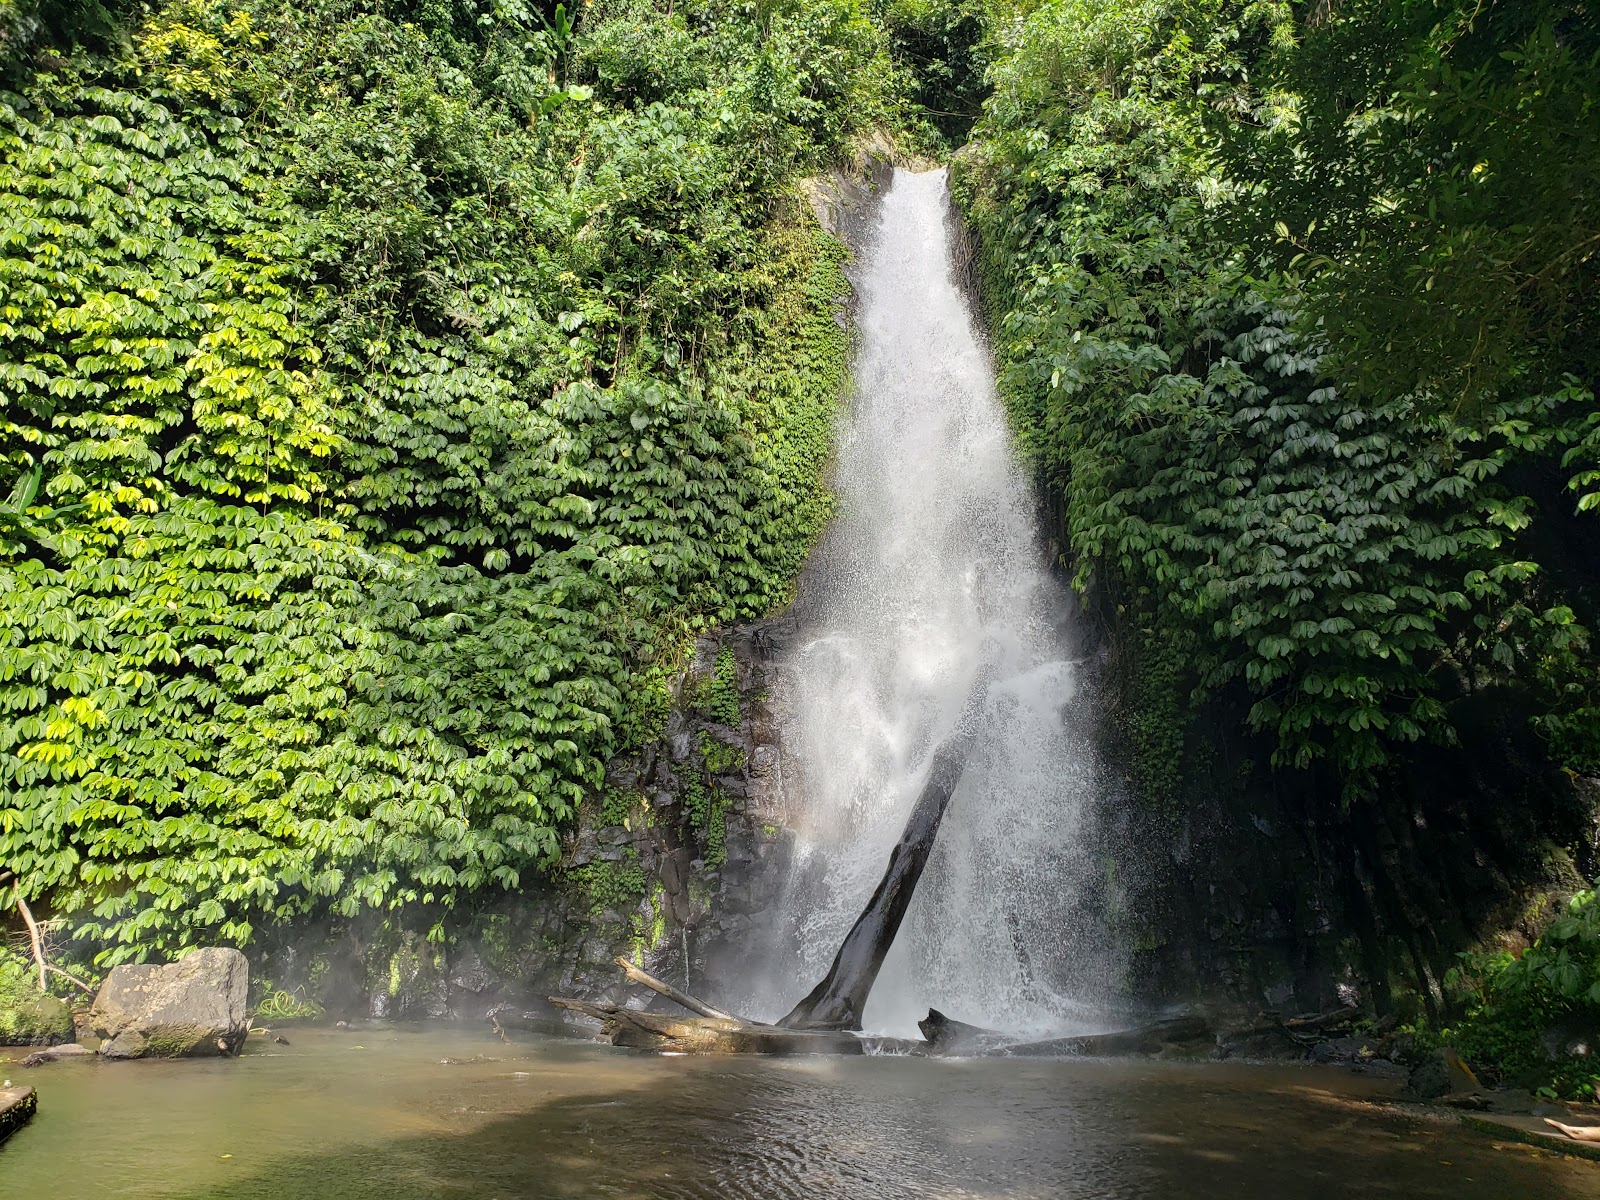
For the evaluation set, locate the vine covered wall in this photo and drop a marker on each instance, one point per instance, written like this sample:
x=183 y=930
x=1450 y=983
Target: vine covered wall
x=1293 y=306
x=388 y=394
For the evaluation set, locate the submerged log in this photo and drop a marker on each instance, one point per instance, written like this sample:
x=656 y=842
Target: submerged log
x=705 y=1035
x=1178 y=1037
x=837 y=1002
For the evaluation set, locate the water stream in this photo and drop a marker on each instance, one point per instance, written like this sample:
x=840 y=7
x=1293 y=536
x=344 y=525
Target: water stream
x=934 y=566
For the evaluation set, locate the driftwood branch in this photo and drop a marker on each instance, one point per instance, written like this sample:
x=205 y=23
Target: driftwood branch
x=1323 y=1020
x=712 y=1031
x=70 y=978
x=692 y=1003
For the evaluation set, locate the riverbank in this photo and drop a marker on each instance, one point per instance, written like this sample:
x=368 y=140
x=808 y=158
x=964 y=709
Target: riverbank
x=424 y=1112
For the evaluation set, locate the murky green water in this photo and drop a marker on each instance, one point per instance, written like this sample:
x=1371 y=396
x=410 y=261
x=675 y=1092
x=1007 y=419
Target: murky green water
x=404 y=1114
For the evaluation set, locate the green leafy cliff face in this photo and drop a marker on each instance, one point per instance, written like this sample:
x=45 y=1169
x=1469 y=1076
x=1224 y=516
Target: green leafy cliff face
x=1213 y=267
x=1294 y=307
x=380 y=393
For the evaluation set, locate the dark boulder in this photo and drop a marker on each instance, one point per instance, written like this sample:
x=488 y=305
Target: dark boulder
x=1441 y=1075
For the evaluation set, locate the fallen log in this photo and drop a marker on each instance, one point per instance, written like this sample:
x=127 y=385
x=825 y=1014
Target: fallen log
x=1339 y=1017
x=710 y=1031
x=705 y=1035
x=822 y=1023
x=692 y=1003
x=837 y=1002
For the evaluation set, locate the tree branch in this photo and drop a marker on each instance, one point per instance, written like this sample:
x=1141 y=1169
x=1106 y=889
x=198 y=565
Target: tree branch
x=33 y=935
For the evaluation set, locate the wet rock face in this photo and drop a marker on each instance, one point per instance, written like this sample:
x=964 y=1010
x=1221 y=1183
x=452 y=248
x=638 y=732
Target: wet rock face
x=195 y=1006
x=690 y=831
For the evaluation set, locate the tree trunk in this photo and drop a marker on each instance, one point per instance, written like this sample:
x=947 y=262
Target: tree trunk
x=838 y=1001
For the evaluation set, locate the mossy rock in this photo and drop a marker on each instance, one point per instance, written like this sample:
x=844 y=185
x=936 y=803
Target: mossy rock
x=31 y=1018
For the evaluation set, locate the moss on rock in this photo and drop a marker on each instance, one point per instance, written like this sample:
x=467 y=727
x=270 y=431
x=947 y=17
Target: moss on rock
x=29 y=1017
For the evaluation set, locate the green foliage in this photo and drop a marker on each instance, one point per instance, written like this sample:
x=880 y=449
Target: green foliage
x=705 y=807
x=1346 y=554
x=1432 y=175
x=277 y=1004
x=620 y=807
x=942 y=46
x=720 y=758
x=1155 y=719
x=1513 y=1001
x=1565 y=962
x=377 y=423
x=22 y=521
x=716 y=832
x=719 y=692
x=616 y=885
x=42 y=27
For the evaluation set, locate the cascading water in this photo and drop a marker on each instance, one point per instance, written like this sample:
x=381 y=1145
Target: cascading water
x=933 y=569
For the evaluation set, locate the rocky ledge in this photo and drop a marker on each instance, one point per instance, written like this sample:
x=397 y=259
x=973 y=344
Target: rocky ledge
x=17 y=1105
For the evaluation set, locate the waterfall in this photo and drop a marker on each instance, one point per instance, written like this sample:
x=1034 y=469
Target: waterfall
x=934 y=564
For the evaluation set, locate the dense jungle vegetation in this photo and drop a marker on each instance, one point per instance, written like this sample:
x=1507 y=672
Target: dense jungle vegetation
x=386 y=392
x=1295 y=310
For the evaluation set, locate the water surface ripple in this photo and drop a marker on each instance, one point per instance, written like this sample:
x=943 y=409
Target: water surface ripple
x=436 y=1114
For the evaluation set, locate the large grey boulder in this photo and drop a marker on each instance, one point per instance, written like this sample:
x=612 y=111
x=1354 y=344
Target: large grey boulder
x=195 y=1006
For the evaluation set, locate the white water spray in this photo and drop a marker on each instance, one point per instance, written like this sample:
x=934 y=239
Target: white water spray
x=933 y=565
